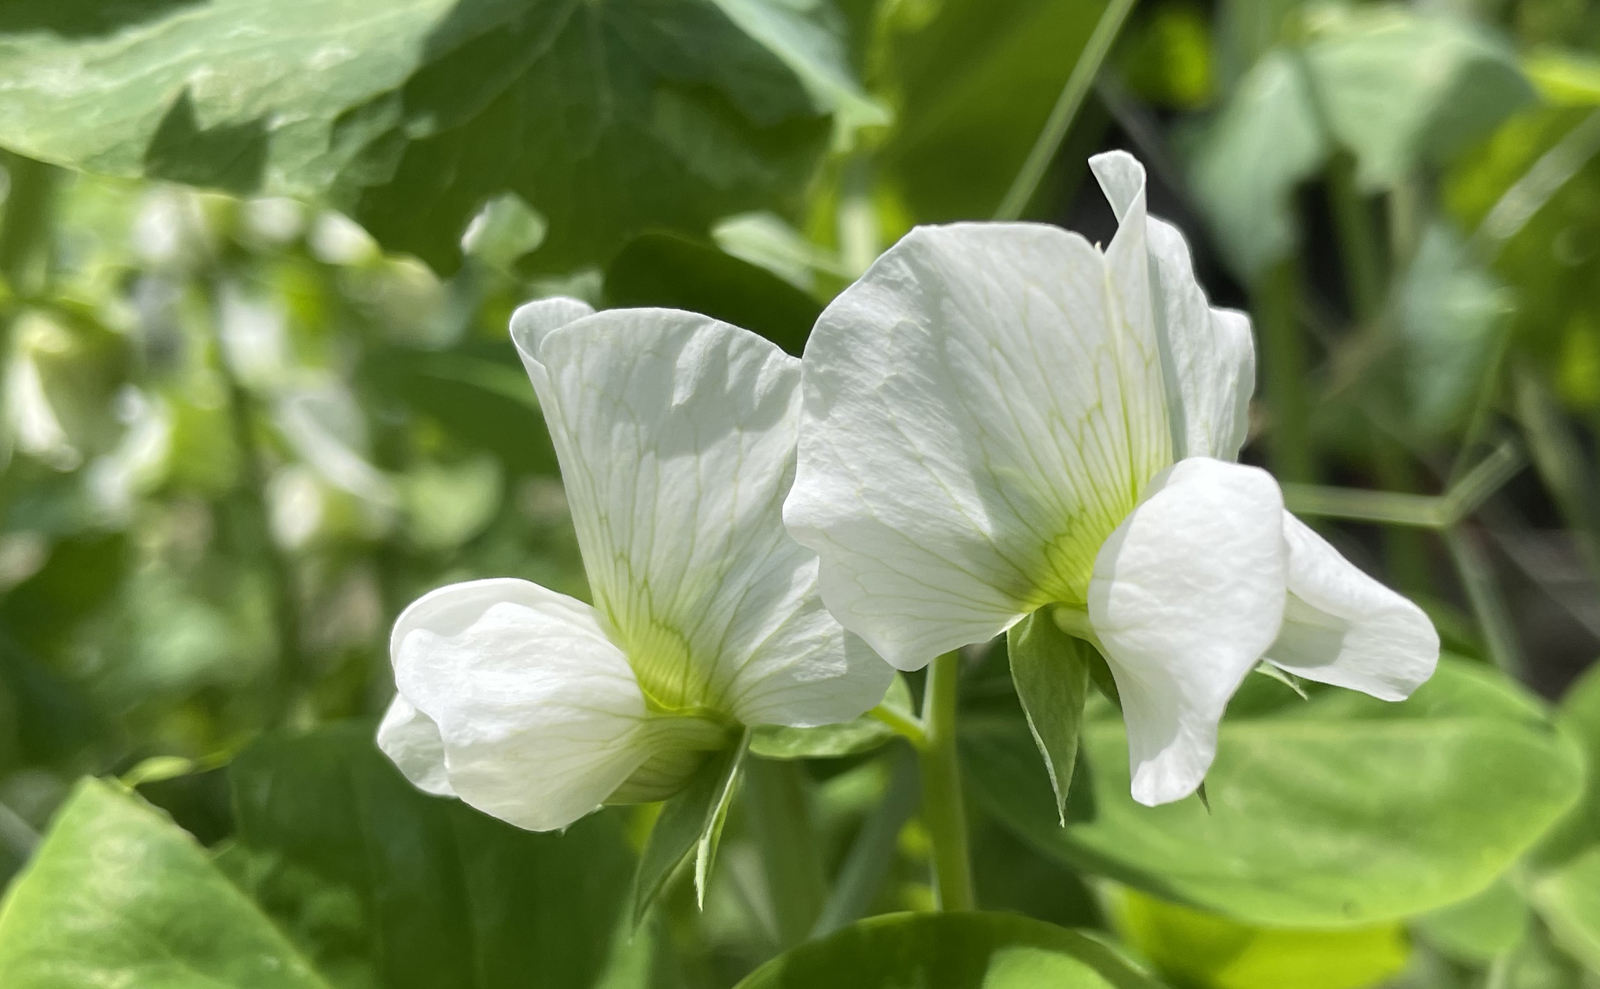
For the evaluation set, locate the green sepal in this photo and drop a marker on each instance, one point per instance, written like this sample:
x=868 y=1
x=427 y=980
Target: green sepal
x=1051 y=672
x=690 y=823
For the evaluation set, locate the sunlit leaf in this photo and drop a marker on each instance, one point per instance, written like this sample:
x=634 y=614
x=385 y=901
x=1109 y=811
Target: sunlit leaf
x=1323 y=813
x=1401 y=89
x=606 y=118
x=950 y=951
x=117 y=895
x=1195 y=948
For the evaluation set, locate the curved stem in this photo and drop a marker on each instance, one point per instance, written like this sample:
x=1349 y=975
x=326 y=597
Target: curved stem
x=906 y=727
x=942 y=808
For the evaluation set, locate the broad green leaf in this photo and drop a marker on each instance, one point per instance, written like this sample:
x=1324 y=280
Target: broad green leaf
x=1051 y=674
x=1200 y=949
x=376 y=877
x=950 y=951
x=1263 y=143
x=833 y=741
x=1452 y=312
x=674 y=272
x=1479 y=927
x=606 y=118
x=1402 y=89
x=690 y=825
x=1324 y=813
x=973 y=82
x=118 y=895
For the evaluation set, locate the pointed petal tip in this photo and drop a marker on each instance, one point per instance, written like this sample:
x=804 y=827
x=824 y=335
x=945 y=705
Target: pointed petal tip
x=1121 y=178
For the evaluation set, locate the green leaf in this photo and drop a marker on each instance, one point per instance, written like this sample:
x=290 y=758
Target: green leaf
x=1451 y=314
x=1262 y=144
x=833 y=741
x=607 y=118
x=1402 y=89
x=677 y=273
x=118 y=895
x=1398 y=89
x=1195 y=948
x=950 y=951
x=1324 y=813
x=1051 y=674
x=375 y=876
x=690 y=823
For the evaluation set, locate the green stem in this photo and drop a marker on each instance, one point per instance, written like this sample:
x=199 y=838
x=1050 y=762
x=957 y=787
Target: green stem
x=943 y=810
x=1418 y=511
x=292 y=671
x=1358 y=239
x=1276 y=297
x=781 y=819
x=1560 y=461
x=1065 y=111
x=907 y=728
x=1404 y=548
x=1488 y=604
x=25 y=234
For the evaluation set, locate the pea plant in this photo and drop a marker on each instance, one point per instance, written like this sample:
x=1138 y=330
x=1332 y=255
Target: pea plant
x=683 y=494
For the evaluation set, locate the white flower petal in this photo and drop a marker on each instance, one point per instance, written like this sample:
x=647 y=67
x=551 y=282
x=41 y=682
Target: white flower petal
x=979 y=415
x=1208 y=356
x=538 y=713
x=533 y=321
x=1344 y=628
x=411 y=741
x=1187 y=595
x=676 y=438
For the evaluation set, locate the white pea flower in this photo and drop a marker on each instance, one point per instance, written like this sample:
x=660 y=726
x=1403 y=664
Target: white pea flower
x=676 y=439
x=1000 y=417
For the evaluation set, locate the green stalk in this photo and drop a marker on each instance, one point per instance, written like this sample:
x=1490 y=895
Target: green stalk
x=251 y=498
x=1363 y=270
x=943 y=810
x=25 y=234
x=1559 y=460
x=1276 y=295
x=1488 y=604
x=1358 y=239
x=1404 y=548
x=1065 y=111
x=781 y=819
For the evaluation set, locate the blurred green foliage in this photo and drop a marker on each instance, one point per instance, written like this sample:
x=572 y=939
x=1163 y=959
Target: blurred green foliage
x=256 y=395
